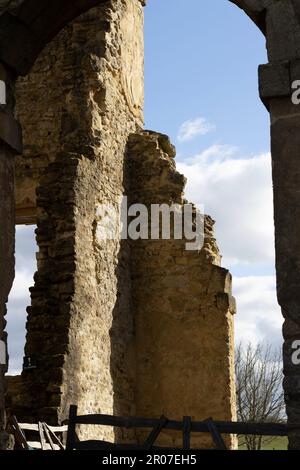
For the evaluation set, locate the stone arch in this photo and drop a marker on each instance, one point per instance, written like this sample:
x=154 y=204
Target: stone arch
x=31 y=25
x=255 y=9
x=280 y=22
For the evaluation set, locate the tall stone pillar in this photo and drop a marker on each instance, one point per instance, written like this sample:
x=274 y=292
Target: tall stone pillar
x=285 y=145
x=76 y=117
x=10 y=143
x=182 y=304
x=277 y=80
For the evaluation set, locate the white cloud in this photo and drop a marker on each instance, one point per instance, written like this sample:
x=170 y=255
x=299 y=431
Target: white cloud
x=194 y=127
x=216 y=151
x=19 y=299
x=237 y=193
x=23 y=281
x=259 y=318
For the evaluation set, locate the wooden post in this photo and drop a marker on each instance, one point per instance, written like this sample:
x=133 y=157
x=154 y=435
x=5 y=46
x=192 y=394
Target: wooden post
x=72 y=428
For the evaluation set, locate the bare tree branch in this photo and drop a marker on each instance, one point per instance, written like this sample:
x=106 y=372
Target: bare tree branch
x=259 y=388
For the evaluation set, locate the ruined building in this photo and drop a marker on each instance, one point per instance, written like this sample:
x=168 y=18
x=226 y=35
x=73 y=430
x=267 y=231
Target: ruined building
x=121 y=326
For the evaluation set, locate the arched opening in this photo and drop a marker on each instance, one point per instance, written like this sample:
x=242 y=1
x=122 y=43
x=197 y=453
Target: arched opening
x=201 y=89
x=203 y=93
x=54 y=96
x=62 y=232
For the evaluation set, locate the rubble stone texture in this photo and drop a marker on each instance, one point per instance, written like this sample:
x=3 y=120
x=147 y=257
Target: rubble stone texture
x=127 y=327
x=182 y=305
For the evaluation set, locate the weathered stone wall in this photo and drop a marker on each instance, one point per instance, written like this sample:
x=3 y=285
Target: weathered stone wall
x=56 y=84
x=10 y=142
x=182 y=304
x=7 y=224
x=88 y=327
x=282 y=28
x=84 y=100
x=285 y=153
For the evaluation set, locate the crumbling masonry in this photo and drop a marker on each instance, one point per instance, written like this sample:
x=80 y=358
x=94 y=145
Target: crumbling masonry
x=121 y=326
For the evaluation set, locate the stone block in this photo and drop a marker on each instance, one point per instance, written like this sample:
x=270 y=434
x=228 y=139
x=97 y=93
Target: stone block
x=274 y=81
x=10 y=131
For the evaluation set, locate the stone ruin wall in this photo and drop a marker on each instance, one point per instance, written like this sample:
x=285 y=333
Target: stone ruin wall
x=182 y=305
x=124 y=328
x=79 y=103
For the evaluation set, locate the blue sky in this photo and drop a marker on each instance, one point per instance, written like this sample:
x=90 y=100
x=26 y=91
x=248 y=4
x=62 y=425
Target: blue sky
x=201 y=89
x=202 y=57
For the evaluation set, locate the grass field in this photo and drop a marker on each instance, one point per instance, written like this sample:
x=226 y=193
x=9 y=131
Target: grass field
x=279 y=443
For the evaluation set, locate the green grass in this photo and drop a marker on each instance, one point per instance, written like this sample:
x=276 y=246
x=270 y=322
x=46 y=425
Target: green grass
x=279 y=443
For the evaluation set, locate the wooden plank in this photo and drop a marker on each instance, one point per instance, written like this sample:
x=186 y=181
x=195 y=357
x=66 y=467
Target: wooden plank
x=130 y=422
x=155 y=432
x=48 y=436
x=58 y=428
x=71 y=436
x=29 y=427
x=34 y=445
x=42 y=436
x=34 y=427
x=186 y=432
x=18 y=433
x=217 y=438
x=224 y=427
x=54 y=437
